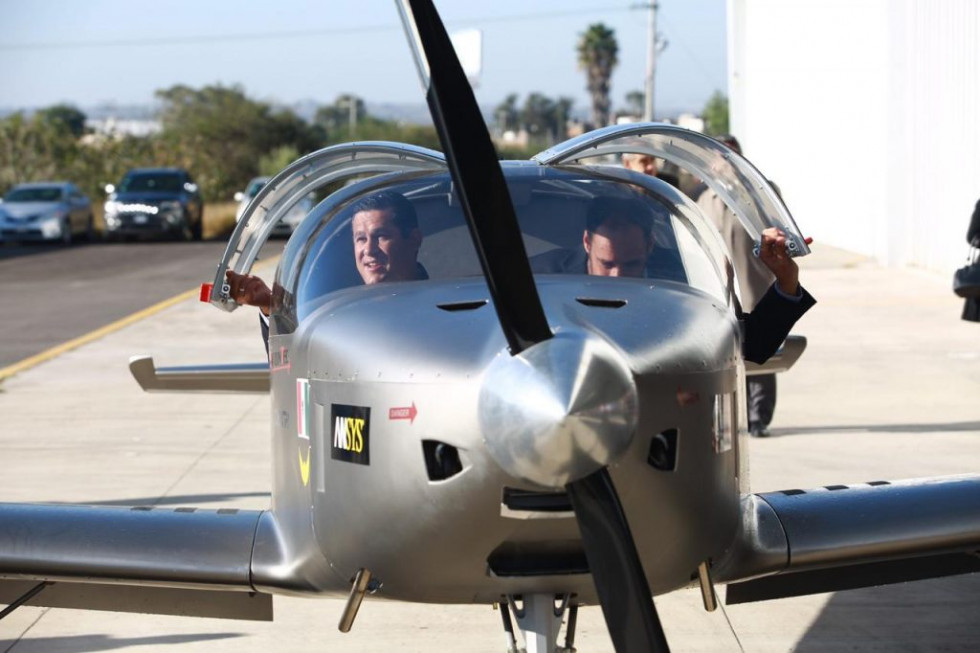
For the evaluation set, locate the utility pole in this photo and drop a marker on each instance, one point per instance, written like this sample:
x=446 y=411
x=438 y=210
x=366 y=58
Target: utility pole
x=351 y=102
x=655 y=45
x=651 y=60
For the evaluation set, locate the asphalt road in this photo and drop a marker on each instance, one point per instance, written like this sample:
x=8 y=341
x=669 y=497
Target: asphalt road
x=53 y=294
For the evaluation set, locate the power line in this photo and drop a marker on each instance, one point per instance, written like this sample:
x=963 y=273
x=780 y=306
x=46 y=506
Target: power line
x=675 y=35
x=291 y=34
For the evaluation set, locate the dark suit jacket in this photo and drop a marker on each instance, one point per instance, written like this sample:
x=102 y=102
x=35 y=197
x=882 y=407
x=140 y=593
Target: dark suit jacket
x=766 y=327
x=973 y=231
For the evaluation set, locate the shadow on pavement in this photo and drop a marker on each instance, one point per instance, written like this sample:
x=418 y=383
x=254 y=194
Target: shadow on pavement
x=91 y=643
x=929 y=615
x=17 y=250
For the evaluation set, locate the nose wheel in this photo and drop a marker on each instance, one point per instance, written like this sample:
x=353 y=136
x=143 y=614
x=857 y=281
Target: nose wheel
x=539 y=618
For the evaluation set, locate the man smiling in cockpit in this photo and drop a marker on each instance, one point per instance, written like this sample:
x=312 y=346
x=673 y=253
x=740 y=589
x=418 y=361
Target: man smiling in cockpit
x=386 y=239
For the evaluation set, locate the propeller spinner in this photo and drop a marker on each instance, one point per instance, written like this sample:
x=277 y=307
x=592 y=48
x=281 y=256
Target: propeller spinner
x=559 y=411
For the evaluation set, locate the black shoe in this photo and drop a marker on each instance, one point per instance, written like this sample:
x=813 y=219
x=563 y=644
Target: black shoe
x=757 y=430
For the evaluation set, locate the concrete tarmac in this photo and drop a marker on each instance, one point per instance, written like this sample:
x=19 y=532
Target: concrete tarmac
x=888 y=389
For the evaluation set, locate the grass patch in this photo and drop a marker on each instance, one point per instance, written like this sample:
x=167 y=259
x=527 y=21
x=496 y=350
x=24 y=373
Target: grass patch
x=219 y=219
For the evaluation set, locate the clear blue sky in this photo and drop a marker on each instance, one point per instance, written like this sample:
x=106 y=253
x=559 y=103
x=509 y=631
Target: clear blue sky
x=86 y=52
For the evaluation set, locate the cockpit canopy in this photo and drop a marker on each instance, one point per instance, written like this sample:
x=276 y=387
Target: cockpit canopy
x=552 y=205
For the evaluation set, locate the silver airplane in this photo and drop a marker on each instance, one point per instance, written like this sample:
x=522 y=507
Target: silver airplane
x=491 y=432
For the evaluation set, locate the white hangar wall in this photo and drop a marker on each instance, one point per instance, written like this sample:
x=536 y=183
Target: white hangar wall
x=866 y=113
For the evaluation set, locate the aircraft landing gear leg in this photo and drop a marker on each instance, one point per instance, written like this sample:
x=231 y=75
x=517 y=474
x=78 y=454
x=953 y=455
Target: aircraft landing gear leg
x=539 y=619
x=570 y=629
x=509 y=628
x=361 y=583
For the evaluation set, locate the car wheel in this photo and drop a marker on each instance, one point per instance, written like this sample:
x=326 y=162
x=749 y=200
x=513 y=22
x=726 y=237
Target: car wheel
x=66 y=235
x=198 y=228
x=185 y=232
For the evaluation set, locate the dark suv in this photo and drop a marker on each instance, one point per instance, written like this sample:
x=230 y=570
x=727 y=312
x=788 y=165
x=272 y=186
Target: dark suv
x=154 y=202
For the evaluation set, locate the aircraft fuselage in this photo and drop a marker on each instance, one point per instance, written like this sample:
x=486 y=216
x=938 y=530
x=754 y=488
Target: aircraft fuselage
x=379 y=435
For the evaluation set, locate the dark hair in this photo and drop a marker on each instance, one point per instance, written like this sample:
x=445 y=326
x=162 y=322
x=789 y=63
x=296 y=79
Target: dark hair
x=624 y=209
x=405 y=217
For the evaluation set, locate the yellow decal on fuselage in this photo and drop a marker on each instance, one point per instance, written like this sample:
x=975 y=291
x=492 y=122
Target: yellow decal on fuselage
x=304 y=467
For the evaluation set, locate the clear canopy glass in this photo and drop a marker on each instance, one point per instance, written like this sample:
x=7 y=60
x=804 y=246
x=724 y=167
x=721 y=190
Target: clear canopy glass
x=736 y=181
x=553 y=206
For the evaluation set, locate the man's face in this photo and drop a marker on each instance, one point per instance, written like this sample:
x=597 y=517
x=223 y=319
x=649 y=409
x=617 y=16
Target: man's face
x=617 y=250
x=381 y=252
x=645 y=164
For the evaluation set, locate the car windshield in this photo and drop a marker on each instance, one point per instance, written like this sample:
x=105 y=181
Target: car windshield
x=150 y=181
x=553 y=207
x=34 y=194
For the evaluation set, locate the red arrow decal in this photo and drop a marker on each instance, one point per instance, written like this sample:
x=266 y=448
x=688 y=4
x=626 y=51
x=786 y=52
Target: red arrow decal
x=406 y=412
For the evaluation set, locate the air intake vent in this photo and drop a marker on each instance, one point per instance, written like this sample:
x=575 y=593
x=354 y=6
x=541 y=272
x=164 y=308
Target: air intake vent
x=462 y=306
x=663 y=451
x=441 y=460
x=526 y=500
x=601 y=303
x=538 y=559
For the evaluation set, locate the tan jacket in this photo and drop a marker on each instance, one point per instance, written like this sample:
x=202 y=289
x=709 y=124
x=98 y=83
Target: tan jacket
x=754 y=278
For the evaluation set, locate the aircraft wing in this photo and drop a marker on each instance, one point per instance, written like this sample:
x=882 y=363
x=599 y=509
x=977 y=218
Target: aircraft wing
x=838 y=537
x=183 y=561
x=239 y=377
x=784 y=358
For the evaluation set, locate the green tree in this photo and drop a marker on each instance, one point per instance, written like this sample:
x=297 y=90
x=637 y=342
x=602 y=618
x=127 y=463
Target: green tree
x=635 y=102
x=105 y=161
x=377 y=129
x=545 y=118
x=219 y=134
x=66 y=116
x=597 y=56
x=340 y=120
x=715 y=114
x=505 y=114
x=335 y=122
x=538 y=116
x=273 y=162
x=33 y=150
x=563 y=111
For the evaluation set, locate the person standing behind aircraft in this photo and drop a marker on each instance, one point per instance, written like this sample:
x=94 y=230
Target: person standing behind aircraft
x=386 y=240
x=754 y=280
x=643 y=163
x=647 y=165
x=971 y=305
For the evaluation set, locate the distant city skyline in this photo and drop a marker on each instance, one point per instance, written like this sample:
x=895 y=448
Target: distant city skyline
x=101 y=52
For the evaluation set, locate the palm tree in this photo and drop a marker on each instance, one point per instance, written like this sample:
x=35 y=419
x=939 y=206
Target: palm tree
x=597 y=50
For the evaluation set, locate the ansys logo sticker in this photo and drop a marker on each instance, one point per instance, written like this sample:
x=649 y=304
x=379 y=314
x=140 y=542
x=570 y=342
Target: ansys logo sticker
x=350 y=435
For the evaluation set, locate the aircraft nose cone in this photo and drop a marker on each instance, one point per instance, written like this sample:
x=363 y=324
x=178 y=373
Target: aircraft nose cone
x=559 y=410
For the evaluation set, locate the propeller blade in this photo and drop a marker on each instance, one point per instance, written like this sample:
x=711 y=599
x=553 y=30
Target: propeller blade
x=480 y=183
x=616 y=570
